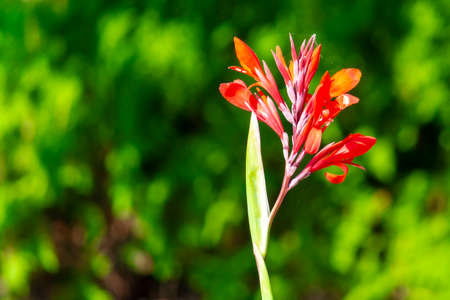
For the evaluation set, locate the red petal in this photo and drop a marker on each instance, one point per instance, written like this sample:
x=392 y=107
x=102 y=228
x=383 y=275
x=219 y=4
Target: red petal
x=321 y=96
x=355 y=145
x=343 y=81
x=312 y=143
x=248 y=59
x=342 y=152
x=336 y=179
x=236 y=93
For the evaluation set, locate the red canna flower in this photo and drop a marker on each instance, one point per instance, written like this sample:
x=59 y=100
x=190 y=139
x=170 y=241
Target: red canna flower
x=309 y=114
x=238 y=94
x=341 y=154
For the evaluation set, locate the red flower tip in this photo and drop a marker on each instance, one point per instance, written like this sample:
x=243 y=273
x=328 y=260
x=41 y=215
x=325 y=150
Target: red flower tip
x=247 y=58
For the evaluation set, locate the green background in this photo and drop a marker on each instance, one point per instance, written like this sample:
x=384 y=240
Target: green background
x=122 y=168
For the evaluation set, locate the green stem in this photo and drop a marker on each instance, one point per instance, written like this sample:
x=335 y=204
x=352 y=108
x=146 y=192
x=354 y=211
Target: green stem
x=264 y=281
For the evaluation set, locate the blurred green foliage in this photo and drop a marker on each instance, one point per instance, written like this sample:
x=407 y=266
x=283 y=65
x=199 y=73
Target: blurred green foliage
x=122 y=169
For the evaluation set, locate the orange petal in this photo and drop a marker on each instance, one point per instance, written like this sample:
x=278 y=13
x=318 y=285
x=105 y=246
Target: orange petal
x=312 y=143
x=343 y=81
x=236 y=93
x=248 y=59
x=336 y=179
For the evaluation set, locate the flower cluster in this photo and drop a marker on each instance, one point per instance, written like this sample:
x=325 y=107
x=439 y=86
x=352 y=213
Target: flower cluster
x=309 y=114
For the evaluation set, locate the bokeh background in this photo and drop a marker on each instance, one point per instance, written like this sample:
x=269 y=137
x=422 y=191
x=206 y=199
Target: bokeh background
x=122 y=168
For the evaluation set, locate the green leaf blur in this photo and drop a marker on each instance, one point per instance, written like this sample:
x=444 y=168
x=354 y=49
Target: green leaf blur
x=122 y=170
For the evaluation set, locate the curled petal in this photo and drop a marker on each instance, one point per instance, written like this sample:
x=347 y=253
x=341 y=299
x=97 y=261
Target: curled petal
x=247 y=58
x=335 y=178
x=236 y=93
x=343 y=81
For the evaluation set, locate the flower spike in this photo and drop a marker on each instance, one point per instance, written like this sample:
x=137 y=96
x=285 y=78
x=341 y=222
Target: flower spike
x=310 y=113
